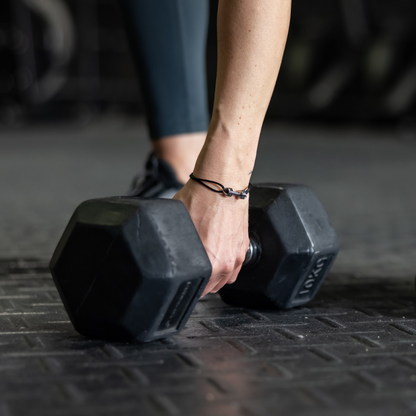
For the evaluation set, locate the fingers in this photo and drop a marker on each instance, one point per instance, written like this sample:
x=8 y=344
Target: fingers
x=225 y=272
x=226 y=281
x=217 y=282
x=220 y=277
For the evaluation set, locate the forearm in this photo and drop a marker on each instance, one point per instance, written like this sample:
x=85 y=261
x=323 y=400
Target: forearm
x=251 y=40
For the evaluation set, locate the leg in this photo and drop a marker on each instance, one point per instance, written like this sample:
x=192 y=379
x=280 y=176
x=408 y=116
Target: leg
x=168 y=39
x=180 y=151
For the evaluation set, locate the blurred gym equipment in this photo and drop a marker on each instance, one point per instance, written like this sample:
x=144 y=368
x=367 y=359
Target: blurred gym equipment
x=345 y=59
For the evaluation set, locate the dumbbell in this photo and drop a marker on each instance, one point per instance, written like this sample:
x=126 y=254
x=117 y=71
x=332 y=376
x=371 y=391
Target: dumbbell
x=134 y=268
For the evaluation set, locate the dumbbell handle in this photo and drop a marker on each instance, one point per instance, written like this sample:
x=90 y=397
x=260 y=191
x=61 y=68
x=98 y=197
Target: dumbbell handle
x=253 y=253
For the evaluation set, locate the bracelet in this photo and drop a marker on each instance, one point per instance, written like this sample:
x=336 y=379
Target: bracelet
x=226 y=191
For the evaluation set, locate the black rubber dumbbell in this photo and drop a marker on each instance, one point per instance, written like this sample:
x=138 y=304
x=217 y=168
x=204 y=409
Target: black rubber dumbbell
x=292 y=248
x=134 y=268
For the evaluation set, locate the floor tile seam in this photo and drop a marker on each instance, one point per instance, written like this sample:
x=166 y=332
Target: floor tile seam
x=54 y=304
x=8 y=333
x=391 y=354
x=306 y=316
x=257 y=358
x=331 y=345
x=281 y=315
x=258 y=324
x=16 y=283
x=132 y=387
x=350 y=332
x=408 y=320
x=38 y=289
x=287 y=383
x=196 y=319
x=121 y=363
x=50 y=353
x=52 y=378
x=91 y=410
x=19 y=277
x=310 y=323
x=402 y=341
x=34 y=270
x=338 y=367
x=325 y=330
x=55 y=313
x=8 y=297
x=24 y=313
x=245 y=336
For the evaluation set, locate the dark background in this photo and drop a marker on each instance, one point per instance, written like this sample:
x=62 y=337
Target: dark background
x=345 y=60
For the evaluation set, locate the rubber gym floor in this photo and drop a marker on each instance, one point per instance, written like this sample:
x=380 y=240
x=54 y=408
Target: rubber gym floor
x=350 y=352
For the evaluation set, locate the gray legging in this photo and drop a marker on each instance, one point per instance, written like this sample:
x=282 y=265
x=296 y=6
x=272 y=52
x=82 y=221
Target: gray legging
x=168 y=39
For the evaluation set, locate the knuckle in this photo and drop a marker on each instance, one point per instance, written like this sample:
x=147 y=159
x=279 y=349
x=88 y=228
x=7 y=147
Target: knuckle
x=232 y=280
x=227 y=268
x=241 y=258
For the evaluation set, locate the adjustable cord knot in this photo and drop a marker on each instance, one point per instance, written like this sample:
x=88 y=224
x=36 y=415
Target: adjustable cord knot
x=226 y=191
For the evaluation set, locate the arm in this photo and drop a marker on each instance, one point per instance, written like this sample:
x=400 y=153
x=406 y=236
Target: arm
x=251 y=40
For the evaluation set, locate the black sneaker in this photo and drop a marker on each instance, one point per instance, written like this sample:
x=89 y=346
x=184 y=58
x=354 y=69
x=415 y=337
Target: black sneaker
x=158 y=181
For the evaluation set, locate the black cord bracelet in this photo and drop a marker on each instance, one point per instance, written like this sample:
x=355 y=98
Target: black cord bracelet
x=226 y=191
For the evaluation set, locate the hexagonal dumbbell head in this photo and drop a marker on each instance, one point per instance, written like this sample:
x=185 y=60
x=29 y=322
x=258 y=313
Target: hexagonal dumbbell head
x=296 y=248
x=130 y=268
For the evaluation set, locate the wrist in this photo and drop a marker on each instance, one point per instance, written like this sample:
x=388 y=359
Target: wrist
x=226 y=160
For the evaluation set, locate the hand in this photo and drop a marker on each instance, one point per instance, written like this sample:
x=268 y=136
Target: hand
x=222 y=225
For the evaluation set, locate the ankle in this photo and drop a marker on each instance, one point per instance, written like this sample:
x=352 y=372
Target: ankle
x=180 y=151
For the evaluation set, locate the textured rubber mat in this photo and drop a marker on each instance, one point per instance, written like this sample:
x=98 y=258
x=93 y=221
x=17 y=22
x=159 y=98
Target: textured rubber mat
x=352 y=351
